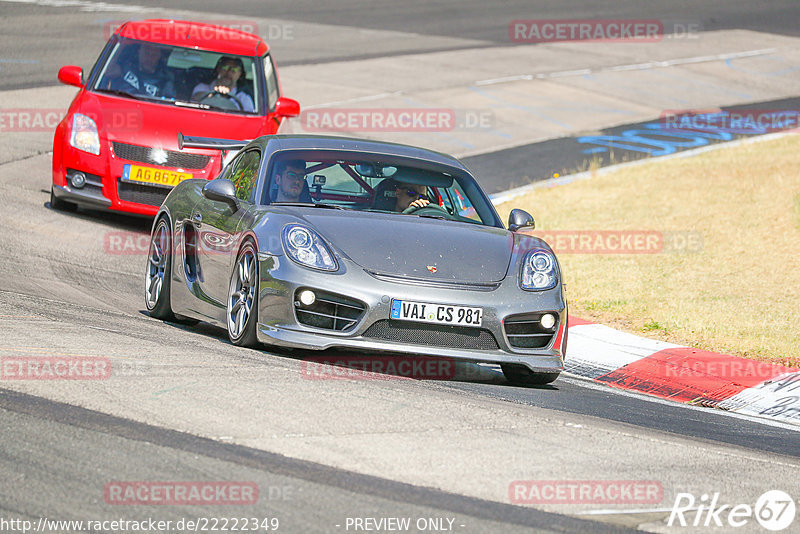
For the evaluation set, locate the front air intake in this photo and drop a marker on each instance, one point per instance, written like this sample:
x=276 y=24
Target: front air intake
x=526 y=331
x=328 y=311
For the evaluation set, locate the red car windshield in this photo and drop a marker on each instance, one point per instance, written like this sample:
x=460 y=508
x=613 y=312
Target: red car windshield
x=181 y=76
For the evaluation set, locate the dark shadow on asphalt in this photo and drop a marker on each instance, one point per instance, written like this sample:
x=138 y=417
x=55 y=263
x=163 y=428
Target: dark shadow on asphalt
x=128 y=222
x=334 y=364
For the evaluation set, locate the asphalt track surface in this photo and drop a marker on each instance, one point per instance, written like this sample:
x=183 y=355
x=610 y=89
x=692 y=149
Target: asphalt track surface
x=44 y=430
x=46 y=37
x=609 y=146
x=477 y=20
x=62 y=289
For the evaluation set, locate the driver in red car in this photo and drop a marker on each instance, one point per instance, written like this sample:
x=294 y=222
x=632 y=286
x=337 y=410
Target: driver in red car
x=410 y=196
x=226 y=80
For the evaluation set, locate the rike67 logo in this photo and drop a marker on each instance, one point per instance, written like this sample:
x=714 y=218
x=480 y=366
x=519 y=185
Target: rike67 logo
x=774 y=510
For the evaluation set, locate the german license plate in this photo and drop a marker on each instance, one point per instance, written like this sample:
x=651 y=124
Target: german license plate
x=426 y=312
x=149 y=175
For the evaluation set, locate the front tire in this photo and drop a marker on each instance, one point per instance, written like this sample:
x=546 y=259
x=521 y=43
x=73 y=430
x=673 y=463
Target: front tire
x=242 y=309
x=159 y=272
x=520 y=375
x=61 y=205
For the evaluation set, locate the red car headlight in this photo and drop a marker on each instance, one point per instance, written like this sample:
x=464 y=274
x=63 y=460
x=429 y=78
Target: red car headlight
x=84 y=134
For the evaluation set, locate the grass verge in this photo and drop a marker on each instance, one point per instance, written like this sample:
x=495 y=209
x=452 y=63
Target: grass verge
x=726 y=276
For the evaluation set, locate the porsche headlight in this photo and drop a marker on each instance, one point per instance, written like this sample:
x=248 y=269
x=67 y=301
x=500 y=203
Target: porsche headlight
x=84 y=134
x=307 y=248
x=538 y=271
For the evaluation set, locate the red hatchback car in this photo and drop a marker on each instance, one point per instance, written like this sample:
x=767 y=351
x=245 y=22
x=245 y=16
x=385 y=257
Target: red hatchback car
x=117 y=146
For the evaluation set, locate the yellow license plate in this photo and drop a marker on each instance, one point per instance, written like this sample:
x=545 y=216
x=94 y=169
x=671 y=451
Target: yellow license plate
x=149 y=175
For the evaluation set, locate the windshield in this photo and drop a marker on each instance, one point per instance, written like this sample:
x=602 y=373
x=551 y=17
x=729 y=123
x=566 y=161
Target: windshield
x=385 y=185
x=181 y=76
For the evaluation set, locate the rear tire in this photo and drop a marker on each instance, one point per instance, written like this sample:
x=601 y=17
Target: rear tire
x=61 y=205
x=522 y=376
x=159 y=272
x=242 y=308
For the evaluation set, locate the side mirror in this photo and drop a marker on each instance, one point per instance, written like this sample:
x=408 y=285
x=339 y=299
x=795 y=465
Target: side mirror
x=222 y=190
x=71 y=75
x=519 y=219
x=287 y=107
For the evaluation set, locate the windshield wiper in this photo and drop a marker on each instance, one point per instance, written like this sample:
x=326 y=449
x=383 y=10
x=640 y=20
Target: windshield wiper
x=196 y=105
x=121 y=93
x=135 y=96
x=312 y=205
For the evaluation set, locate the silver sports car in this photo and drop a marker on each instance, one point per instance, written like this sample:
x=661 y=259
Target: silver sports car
x=317 y=242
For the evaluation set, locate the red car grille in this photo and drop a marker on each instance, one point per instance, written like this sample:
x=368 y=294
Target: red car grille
x=143 y=154
x=141 y=194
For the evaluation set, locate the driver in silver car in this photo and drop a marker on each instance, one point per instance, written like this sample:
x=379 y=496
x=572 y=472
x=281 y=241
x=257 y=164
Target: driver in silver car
x=226 y=79
x=410 y=196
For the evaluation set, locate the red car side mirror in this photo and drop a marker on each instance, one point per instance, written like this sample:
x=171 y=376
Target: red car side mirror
x=287 y=107
x=71 y=75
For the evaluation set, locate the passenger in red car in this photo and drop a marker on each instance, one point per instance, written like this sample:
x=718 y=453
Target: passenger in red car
x=145 y=76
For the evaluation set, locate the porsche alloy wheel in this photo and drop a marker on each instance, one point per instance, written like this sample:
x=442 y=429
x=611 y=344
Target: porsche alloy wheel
x=242 y=301
x=159 y=267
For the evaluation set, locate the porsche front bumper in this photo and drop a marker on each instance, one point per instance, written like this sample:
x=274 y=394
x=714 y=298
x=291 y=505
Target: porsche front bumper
x=375 y=332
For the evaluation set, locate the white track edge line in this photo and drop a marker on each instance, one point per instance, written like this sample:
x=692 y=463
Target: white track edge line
x=591 y=384
x=505 y=196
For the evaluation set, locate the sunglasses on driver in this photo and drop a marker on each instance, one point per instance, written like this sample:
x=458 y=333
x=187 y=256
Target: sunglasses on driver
x=234 y=68
x=412 y=193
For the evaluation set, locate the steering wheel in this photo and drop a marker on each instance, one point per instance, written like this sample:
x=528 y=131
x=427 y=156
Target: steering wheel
x=429 y=209
x=221 y=100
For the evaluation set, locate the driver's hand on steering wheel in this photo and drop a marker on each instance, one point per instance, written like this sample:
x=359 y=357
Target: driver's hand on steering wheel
x=419 y=203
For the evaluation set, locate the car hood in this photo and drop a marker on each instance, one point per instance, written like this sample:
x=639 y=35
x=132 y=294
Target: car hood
x=151 y=124
x=417 y=247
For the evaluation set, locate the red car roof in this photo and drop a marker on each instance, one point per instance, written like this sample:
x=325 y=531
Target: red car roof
x=194 y=35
